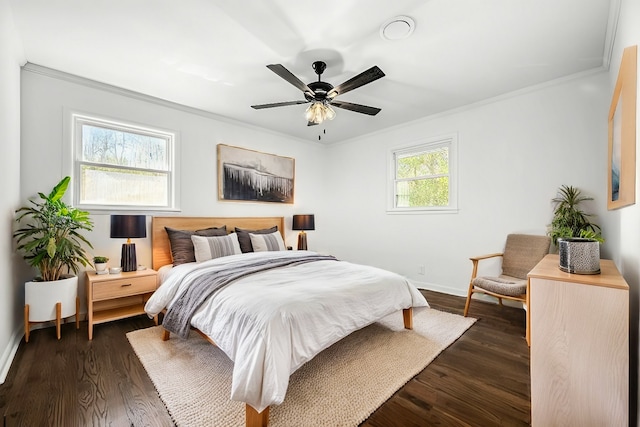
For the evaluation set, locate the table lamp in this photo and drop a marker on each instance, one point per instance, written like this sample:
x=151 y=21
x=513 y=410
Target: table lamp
x=302 y=223
x=128 y=227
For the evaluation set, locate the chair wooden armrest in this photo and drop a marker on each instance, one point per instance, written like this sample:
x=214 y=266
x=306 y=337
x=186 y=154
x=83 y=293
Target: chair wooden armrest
x=478 y=258
x=474 y=273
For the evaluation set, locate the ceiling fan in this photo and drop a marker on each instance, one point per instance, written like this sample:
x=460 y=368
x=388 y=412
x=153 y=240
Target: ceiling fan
x=322 y=95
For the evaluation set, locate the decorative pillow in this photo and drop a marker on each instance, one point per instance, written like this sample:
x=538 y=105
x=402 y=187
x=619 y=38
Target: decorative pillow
x=245 y=240
x=206 y=248
x=267 y=242
x=181 y=245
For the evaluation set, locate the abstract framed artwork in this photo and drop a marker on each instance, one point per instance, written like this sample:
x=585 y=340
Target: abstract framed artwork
x=622 y=134
x=253 y=176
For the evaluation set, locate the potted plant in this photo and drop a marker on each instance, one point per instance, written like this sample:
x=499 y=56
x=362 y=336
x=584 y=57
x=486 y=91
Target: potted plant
x=577 y=238
x=100 y=263
x=50 y=239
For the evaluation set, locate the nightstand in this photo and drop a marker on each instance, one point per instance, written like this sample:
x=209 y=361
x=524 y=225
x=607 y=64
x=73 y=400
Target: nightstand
x=116 y=296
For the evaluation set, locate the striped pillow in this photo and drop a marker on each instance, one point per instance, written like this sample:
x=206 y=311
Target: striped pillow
x=267 y=242
x=210 y=247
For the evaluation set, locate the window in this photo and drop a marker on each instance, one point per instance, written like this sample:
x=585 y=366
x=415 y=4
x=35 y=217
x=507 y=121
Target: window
x=122 y=166
x=423 y=177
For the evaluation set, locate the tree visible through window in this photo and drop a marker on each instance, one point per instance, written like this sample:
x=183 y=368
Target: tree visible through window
x=120 y=165
x=423 y=178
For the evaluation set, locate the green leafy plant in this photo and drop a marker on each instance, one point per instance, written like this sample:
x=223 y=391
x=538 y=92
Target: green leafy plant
x=50 y=239
x=569 y=220
x=100 y=259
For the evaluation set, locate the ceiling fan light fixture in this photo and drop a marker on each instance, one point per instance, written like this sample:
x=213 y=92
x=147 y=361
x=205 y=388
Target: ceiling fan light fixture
x=321 y=94
x=319 y=111
x=330 y=112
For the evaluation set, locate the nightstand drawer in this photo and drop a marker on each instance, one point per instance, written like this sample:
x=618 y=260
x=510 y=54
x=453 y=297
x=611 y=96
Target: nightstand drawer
x=123 y=287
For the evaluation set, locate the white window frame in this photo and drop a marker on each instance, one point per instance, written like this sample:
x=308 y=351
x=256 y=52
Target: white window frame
x=73 y=134
x=415 y=148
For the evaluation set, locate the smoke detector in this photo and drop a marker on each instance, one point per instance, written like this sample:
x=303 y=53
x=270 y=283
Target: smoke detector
x=397 y=28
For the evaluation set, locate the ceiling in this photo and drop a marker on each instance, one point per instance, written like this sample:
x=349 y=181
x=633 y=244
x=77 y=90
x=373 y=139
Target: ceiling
x=212 y=54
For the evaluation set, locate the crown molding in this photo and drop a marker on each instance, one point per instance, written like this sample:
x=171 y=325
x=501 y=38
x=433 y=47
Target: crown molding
x=477 y=104
x=610 y=36
x=94 y=84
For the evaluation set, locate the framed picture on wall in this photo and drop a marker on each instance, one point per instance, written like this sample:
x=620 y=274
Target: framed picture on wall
x=248 y=175
x=622 y=134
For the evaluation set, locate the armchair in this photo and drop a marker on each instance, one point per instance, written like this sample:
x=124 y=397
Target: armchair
x=521 y=253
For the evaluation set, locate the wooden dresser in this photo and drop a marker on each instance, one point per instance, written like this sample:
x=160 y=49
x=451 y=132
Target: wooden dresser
x=579 y=341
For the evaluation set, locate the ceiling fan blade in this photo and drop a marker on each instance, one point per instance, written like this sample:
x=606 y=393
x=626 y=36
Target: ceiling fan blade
x=311 y=124
x=288 y=76
x=368 y=76
x=278 y=104
x=364 y=109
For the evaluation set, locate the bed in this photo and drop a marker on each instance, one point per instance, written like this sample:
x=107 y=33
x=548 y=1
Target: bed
x=294 y=305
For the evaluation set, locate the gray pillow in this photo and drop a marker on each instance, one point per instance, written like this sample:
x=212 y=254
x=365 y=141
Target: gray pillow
x=181 y=245
x=210 y=247
x=245 y=240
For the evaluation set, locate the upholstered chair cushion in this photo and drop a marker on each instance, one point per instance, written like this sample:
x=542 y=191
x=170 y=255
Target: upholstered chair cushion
x=502 y=285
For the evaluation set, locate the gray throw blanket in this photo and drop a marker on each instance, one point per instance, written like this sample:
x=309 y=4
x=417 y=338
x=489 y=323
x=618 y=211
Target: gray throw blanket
x=178 y=317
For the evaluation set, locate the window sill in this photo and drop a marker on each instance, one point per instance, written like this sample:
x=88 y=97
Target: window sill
x=422 y=211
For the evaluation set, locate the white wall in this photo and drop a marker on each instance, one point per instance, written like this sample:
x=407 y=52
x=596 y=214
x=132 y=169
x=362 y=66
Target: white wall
x=11 y=297
x=47 y=100
x=513 y=154
x=627 y=254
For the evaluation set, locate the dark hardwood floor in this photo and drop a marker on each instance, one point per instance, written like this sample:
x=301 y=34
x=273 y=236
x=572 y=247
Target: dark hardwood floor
x=480 y=380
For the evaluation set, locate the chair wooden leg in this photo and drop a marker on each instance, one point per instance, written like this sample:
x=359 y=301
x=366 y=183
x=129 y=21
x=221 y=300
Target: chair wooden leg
x=500 y=301
x=26 y=323
x=468 y=302
x=165 y=335
x=58 y=318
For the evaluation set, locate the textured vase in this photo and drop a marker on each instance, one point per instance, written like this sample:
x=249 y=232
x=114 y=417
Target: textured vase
x=579 y=256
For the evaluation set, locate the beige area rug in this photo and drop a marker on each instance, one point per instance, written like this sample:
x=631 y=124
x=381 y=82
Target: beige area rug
x=341 y=386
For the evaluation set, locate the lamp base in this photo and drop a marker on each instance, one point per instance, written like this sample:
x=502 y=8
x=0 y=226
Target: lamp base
x=128 y=260
x=302 y=241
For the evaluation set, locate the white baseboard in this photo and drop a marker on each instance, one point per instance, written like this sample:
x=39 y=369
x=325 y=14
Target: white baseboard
x=10 y=353
x=440 y=288
x=12 y=347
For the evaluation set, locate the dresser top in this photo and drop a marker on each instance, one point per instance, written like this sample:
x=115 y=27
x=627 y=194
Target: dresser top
x=609 y=276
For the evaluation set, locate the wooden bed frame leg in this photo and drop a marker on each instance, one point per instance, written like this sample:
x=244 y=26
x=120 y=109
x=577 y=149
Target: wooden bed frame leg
x=165 y=335
x=255 y=418
x=407 y=316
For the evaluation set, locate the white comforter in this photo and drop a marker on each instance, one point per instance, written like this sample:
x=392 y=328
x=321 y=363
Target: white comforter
x=272 y=322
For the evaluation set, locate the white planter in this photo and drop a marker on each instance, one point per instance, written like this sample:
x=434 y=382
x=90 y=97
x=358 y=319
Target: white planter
x=42 y=297
x=101 y=266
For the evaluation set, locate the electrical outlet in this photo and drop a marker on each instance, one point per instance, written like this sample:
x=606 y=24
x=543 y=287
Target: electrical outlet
x=421 y=270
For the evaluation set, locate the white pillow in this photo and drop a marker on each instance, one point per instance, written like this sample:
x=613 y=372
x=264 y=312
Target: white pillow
x=267 y=242
x=210 y=247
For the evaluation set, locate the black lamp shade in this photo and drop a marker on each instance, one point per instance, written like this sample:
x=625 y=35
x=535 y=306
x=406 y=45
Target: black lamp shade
x=128 y=227
x=304 y=222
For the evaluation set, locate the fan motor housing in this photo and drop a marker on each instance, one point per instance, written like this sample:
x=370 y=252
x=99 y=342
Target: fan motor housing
x=320 y=89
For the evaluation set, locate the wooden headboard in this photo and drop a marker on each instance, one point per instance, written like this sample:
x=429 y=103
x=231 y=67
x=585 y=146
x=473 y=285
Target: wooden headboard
x=161 y=250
